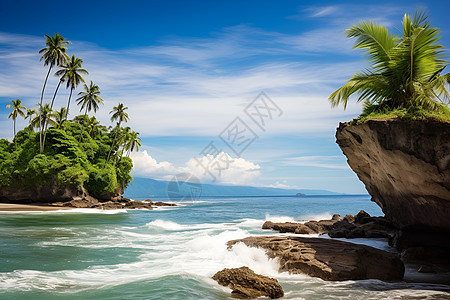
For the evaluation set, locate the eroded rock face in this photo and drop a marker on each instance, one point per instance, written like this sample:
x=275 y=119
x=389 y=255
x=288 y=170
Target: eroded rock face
x=329 y=259
x=247 y=284
x=405 y=166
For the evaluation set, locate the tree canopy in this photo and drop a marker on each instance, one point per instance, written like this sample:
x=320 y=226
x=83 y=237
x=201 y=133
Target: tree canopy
x=405 y=71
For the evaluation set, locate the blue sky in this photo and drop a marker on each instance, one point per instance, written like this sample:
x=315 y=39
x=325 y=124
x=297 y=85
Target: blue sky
x=186 y=69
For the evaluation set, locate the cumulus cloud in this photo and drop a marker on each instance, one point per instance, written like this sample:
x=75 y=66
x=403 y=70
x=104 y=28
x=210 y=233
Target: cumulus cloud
x=219 y=169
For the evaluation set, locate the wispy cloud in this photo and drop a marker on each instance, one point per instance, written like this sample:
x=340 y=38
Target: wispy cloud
x=328 y=162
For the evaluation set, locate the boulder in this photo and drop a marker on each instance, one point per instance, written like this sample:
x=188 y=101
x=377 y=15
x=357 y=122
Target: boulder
x=328 y=259
x=247 y=284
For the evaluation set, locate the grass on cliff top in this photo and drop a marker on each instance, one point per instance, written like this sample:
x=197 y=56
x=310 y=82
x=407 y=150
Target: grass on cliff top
x=412 y=113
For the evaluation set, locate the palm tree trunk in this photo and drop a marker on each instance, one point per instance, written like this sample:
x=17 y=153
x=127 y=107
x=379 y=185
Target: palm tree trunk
x=51 y=108
x=42 y=97
x=68 y=103
x=14 y=128
x=82 y=125
x=114 y=141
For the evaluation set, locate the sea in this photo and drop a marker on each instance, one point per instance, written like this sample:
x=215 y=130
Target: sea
x=172 y=252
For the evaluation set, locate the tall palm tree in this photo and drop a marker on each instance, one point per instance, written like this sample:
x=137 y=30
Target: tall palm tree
x=16 y=110
x=53 y=54
x=43 y=117
x=119 y=115
x=89 y=100
x=60 y=117
x=132 y=143
x=71 y=74
x=406 y=69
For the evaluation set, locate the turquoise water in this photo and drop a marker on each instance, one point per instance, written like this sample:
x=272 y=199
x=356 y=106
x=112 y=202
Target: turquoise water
x=168 y=253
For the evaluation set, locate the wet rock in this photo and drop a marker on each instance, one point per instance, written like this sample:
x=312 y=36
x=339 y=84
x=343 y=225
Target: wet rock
x=329 y=259
x=247 y=284
x=362 y=217
x=303 y=229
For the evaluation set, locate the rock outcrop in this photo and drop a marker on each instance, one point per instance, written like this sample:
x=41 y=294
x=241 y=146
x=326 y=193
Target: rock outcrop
x=123 y=203
x=405 y=166
x=247 y=284
x=362 y=225
x=328 y=259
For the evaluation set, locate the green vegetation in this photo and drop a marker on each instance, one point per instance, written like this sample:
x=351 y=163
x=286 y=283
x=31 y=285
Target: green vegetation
x=404 y=79
x=55 y=151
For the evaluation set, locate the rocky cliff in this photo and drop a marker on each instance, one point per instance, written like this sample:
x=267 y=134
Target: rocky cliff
x=405 y=166
x=54 y=193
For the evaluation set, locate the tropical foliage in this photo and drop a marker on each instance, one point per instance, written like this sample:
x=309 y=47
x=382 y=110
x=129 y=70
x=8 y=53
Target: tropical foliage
x=405 y=72
x=53 y=150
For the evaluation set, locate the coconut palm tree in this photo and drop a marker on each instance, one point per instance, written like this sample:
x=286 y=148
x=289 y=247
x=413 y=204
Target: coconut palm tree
x=60 y=117
x=43 y=117
x=405 y=69
x=71 y=74
x=53 y=54
x=89 y=100
x=17 y=109
x=132 y=143
x=119 y=115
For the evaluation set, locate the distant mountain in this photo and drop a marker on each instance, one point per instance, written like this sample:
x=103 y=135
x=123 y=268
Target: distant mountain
x=147 y=188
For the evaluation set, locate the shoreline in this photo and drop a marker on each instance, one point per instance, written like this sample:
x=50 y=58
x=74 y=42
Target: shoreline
x=4 y=207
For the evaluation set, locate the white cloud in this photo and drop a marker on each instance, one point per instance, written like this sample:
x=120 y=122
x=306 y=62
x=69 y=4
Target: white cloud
x=329 y=162
x=233 y=171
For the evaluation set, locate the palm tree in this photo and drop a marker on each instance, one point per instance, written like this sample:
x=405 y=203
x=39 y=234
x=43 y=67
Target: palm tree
x=43 y=117
x=118 y=114
x=54 y=53
x=60 y=117
x=132 y=143
x=89 y=100
x=406 y=69
x=71 y=74
x=93 y=126
x=29 y=116
x=16 y=110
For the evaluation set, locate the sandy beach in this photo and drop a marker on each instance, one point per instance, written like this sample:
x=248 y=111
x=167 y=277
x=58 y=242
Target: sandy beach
x=28 y=207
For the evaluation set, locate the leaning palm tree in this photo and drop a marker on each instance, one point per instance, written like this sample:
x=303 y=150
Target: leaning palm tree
x=405 y=71
x=71 y=74
x=89 y=100
x=132 y=143
x=16 y=110
x=119 y=115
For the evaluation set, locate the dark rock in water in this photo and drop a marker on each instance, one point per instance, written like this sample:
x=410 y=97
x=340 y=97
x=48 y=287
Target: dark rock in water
x=123 y=203
x=247 y=284
x=362 y=217
x=405 y=166
x=341 y=229
x=159 y=203
x=322 y=226
x=328 y=259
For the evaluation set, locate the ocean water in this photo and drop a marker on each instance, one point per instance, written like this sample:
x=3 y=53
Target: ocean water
x=171 y=253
